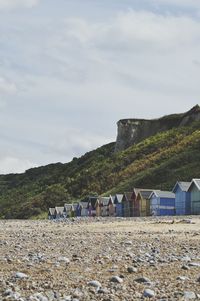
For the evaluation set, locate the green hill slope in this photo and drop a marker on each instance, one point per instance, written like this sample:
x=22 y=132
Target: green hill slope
x=157 y=162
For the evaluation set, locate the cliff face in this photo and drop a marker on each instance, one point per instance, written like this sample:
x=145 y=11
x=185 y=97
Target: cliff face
x=132 y=131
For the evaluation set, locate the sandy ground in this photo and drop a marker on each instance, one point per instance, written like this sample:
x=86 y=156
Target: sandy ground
x=60 y=259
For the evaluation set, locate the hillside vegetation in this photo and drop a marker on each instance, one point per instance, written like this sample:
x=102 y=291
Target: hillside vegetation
x=157 y=162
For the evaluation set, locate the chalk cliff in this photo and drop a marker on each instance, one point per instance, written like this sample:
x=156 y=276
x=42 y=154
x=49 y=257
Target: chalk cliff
x=132 y=131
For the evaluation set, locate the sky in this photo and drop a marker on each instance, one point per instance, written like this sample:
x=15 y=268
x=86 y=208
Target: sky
x=70 y=69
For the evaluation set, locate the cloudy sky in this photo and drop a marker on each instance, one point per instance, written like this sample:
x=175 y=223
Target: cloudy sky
x=70 y=69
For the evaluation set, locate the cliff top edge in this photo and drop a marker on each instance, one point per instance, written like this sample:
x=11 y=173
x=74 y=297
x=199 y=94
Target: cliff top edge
x=194 y=110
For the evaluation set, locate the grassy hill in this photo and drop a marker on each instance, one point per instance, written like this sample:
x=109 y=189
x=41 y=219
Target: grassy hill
x=156 y=162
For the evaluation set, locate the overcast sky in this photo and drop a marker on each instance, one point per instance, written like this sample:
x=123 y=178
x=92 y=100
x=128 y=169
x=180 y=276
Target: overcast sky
x=70 y=69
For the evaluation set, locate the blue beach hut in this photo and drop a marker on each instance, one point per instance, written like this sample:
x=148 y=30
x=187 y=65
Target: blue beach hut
x=78 y=209
x=118 y=204
x=182 y=198
x=194 y=189
x=162 y=203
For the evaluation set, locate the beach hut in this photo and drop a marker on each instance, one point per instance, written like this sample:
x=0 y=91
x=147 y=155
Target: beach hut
x=78 y=209
x=194 y=189
x=131 y=203
x=84 y=208
x=59 y=212
x=126 y=200
x=162 y=203
x=134 y=208
x=111 y=206
x=51 y=213
x=182 y=198
x=67 y=210
x=91 y=205
x=104 y=206
x=98 y=207
x=70 y=210
x=73 y=211
x=142 y=202
x=118 y=204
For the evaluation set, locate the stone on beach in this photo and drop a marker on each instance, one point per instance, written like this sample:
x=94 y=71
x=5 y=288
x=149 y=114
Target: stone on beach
x=94 y=283
x=149 y=293
x=20 y=275
x=105 y=259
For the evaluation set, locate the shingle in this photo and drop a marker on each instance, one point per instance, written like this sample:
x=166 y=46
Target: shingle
x=68 y=206
x=59 y=210
x=52 y=211
x=92 y=201
x=128 y=195
x=119 y=197
x=146 y=193
x=197 y=182
x=164 y=194
x=104 y=200
x=184 y=186
x=84 y=205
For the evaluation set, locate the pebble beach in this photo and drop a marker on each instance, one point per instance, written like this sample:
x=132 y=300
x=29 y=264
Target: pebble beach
x=108 y=259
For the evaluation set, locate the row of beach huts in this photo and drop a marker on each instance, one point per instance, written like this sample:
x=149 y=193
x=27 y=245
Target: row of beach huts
x=184 y=199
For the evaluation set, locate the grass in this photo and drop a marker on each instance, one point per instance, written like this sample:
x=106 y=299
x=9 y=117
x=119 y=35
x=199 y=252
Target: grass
x=156 y=162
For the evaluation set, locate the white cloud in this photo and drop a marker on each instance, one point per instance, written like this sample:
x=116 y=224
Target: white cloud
x=134 y=51
x=71 y=80
x=180 y=3
x=132 y=31
x=12 y=164
x=12 y=4
x=7 y=87
x=73 y=141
